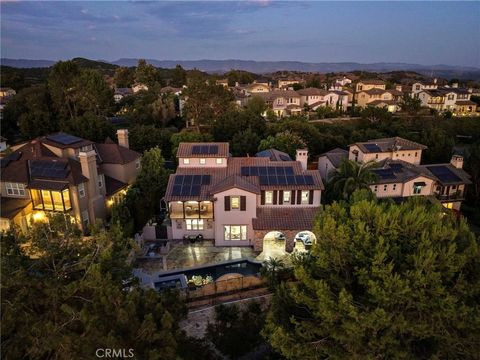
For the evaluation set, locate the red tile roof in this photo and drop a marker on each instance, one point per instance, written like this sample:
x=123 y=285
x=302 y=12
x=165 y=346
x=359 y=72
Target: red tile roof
x=285 y=218
x=112 y=153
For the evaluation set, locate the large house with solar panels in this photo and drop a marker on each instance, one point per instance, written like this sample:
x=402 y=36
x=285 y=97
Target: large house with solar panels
x=399 y=173
x=238 y=200
x=66 y=174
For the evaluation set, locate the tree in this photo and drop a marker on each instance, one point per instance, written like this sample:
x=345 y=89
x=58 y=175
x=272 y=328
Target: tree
x=234 y=121
x=285 y=141
x=351 y=176
x=271 y=270
x=124 y=77
x=144 y=137
x=179 y=76
x=375 y=114
x=245 y=143
x=61 y=85
x=89 y=126
x=146 y=74
x=382 y=281
x=205 y=102
x=73 y=298
x=256 y=105
x=188 y=136
x=410 y=105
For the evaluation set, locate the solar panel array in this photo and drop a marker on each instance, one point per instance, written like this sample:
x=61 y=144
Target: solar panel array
x=48 y=169
x=189 y=185
x=204 y=149
x=266 y=170
x=444 y=174
x=64 y=139
x=385 y=173
x=372 y=147
x=286 y=180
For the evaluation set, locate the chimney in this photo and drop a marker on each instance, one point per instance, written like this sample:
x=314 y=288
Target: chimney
x=302 y=157
x=435 y=80
x=457 y=161
x=122 y=136
x=88 y=162
x=455 y=85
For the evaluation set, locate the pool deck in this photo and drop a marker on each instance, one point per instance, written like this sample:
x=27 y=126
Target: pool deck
x=182 y=256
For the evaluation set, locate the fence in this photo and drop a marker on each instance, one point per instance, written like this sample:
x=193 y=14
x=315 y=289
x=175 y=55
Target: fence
x=225 y=286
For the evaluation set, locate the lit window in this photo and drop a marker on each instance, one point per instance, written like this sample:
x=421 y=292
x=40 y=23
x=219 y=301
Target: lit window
x=235 y=232
x=15 y=189
x=203 y=161
x=234 y=202
x=269 y=197
x=186 y=161
x=305 y=197
x=81 y=190
x=194 y=224
x=417 y=189
x=287 y=195
x=219 y=161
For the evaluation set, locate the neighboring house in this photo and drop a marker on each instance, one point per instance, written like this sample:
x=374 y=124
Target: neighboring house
x=120 y=93
x=66 y=174
x=456 y=100
x=370 y=84
x=171 y=90
x=399 y=173
x=379 y=98
x=139 y=87
x=433 y=99
x=238 y=200
x=426 y=85
x=223 y=82
x=3 y=144
x=344 y=81
x=316 y=98
x=283 y=102
x=287 y=83
x=6 y=92
x=330 y=161
x=257 y=88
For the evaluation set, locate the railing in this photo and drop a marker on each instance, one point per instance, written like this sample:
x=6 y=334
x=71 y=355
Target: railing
x=458 y=195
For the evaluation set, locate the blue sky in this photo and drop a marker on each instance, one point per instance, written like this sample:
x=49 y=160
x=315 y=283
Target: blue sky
x=416 y=32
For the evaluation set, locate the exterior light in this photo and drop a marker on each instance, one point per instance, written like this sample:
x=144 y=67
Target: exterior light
x=38 y=216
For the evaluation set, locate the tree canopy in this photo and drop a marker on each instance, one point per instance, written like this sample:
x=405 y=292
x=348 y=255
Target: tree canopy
x=383 y=281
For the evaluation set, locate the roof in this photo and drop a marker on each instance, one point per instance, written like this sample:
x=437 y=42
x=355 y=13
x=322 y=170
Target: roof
x=112 y=153
x=372 y=82
x=399 y=171
x=272 y=95
x=235 y=181
x=113 y=185
x=374 y=91
x=274 y=155
x=237 y=166
x=336 y=156
x=312 y=91
x=284 y=218
x=11 y=206
x=378 y=102
x=203 y=150
x=447 y=174
x=170 y=89
x=465 y=102
x=388 y=145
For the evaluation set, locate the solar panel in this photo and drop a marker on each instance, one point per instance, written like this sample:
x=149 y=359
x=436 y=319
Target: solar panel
x=272 y=180
x=197 y=179
x=263 y=179
x=185 y=190
x=195 y=190
x=308 y=179
x=372 y=147
x=300 y=179
x=196 y=149
x=177 y=190
x=205 y=180
x=48 y=169
x=290 y=179
x=385 y=173
x=444 y=174
x=282 y=180
x=178 y=180
x=262 y=170
x=213 y=149
x=245 y=171
x=254 y=171
x=271 y=171
x=288 y=170
x=396 y=166
x=64 y=139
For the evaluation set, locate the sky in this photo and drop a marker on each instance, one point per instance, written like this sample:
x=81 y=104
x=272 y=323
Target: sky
x=426 y=33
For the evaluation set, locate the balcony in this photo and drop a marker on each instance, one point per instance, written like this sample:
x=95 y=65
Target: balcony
x=456 y=195
x=191 y=210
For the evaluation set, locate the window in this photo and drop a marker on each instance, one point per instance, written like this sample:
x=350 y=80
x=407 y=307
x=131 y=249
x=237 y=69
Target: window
x=137 y=164
x=375 y=188
x=100 y=181
x=81 y=190
x=203 y=161
x=234 y=202
x=85 y=220
x=385 y=187
x=235 y=232
x=186 y=161
x=287 y=197
x=305 y=197
x=51 y=200
x=194 y=224
x=15 y=189
x=394 y=187
x=416 y=154
x=417 y=189
x=268 y=197
x=219 y=161
x=376 y=156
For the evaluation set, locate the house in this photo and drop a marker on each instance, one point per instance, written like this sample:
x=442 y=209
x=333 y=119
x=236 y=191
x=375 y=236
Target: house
x=379 y=98
x=237 y=201
x=370 y=84
x=171 y=90
x=286 y=83
x=65 y=174
x=257 y=88
x=6 y=92
x=316 y=98
x=399 y=172
x=274 y=155
x=426 y=85
x=344 y=81
x=283 y=102
x=454 y=99
x=433 y=99
x=120 y=93
x=139 y=87
x=223 y=82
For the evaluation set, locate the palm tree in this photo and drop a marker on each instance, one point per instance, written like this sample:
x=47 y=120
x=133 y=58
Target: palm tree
x=351 y=176
x=271 y=269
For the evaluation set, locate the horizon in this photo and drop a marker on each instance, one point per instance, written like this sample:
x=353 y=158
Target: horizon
x=322 y=32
